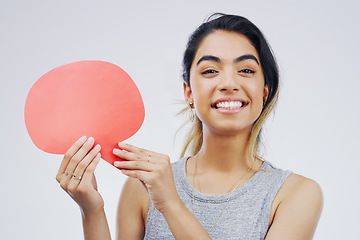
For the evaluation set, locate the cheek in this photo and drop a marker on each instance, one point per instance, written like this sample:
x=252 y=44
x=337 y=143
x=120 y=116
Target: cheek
x=256 y=94
x=200 y=90
x=256 y=91
x=200 y=97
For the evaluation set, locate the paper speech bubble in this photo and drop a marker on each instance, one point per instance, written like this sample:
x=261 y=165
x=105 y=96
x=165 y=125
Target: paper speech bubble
x=91 y=98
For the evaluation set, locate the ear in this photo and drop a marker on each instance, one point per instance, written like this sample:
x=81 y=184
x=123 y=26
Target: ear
x=188 y=93
x=266 y=93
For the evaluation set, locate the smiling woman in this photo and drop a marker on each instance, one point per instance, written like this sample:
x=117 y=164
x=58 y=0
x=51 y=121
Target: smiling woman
x=226 y=74
x=224 y=189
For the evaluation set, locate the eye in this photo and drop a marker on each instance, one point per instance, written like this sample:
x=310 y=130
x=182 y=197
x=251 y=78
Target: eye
x=247 y=71
x=209 y=72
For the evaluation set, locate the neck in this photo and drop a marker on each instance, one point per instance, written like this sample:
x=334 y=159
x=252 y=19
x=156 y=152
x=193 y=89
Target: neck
x=224 y=153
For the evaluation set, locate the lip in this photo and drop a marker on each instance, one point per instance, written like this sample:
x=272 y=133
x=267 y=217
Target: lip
x=231 y=110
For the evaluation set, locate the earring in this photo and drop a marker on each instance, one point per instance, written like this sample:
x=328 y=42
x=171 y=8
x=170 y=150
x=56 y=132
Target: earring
x=192 y=113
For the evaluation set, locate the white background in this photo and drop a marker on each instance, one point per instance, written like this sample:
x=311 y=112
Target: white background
x=315 y=130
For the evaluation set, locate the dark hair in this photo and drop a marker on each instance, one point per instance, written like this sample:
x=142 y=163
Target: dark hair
x=241 y=25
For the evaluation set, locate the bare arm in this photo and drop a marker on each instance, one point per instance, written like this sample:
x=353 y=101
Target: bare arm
x=76 y=177
x=154 y=170
x=132 y=211
x=183 y=224
x=298 y=212
x=95 y=225
x=132 y=214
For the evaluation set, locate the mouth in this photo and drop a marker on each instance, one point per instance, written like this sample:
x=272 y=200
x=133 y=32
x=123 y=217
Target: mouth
x=229 y=104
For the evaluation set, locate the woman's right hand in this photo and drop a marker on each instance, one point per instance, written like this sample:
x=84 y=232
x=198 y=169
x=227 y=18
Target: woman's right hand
x=76 y=174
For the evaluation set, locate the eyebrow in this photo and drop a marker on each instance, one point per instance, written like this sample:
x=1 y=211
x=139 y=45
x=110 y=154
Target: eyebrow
x=216 y=59
x=208 y=58
x=245 y=57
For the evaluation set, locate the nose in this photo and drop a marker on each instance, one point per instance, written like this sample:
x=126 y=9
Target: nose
x=228 y=83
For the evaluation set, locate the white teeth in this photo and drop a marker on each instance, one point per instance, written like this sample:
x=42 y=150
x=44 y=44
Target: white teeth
x=229 y=105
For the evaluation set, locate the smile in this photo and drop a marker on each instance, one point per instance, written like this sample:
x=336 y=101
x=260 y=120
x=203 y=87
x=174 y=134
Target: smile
x=229 y=105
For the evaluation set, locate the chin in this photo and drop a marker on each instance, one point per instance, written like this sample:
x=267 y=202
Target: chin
x=231 y=129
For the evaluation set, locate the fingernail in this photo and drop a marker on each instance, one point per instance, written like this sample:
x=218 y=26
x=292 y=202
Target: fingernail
x=122 y=144
x=97 y=147
x=117 y=163
x=91 y=139
x=116 y=151
x=83 y=138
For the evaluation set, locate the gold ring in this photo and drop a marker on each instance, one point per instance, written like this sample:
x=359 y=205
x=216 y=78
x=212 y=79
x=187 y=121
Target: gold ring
x=148 y=160
x=77 y=178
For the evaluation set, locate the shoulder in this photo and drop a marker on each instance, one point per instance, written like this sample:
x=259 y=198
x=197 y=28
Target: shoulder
x=297 y=188
x=298 y=204
x=137 y=192
x=179 y=163
x=294 y=187
x=178 y=167
x=132 y=210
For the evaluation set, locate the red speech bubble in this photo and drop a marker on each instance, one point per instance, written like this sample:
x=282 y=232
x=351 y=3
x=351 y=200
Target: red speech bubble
x=91 y=98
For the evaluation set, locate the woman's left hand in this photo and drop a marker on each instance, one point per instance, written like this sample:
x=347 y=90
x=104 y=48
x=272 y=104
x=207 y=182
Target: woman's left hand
x=153 y=170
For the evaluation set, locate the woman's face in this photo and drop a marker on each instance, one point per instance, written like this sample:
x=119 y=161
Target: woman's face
x=226 y=83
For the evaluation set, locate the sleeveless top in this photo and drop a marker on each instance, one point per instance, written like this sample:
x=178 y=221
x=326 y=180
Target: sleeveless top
x=246 y=215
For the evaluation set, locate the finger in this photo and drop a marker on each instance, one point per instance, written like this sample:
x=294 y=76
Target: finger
x=141 y=175
x=130 y=152
x=83 y=164
x=131 y=148
x=72 y=150
x=131 y=156
x=74 y=160
x=80 y=154
x=78 y=176
x=134 y=165
x=81 y=167
x=89 y=171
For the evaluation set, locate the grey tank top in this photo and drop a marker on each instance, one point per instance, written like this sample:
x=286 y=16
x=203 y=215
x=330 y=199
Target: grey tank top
x=246 y=215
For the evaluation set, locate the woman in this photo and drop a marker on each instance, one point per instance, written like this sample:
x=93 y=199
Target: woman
x=224 y=190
